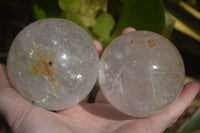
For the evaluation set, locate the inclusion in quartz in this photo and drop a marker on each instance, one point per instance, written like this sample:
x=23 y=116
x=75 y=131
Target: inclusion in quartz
x=141 y=73
x=53 y=63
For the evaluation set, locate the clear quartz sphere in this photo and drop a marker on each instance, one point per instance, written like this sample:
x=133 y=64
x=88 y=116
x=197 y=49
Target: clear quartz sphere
x=53 y=63
x=141 y=73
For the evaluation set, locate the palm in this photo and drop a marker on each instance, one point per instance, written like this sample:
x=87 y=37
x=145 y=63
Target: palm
x=103 y=118
x=95 y=118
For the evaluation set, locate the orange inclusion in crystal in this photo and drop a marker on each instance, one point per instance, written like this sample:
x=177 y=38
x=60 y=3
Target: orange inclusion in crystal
x=151 y=43
x=43 y=68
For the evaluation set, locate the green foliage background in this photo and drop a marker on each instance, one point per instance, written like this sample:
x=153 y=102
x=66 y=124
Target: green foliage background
x=105 y=19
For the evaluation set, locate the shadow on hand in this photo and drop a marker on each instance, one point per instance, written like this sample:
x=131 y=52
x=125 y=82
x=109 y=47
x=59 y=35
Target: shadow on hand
x=106 y=111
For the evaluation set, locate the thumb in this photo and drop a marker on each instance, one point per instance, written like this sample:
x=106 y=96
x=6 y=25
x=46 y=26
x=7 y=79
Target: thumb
x=174 y=111
x=12 y=106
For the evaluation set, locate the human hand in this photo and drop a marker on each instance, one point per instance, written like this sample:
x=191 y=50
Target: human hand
x=99 y=117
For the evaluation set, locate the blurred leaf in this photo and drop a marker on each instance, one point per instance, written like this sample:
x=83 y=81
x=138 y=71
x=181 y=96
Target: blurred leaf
x=186 y=17
x=190 y=9
x=71 y=8
x=74 y=18
x=46 y=8
x=39 y=13
x=184 y=27
x=103 y=26
x=83 y=12
x=192 y=124
x=169 y=26
x=73 y=4
x=142 y=15
x=196 y=131
x=194 y=3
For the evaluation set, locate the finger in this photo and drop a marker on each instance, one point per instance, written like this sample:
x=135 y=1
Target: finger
x=4 y=82
x=127 y=30
x=11 y=103
x=166 y=118
x=99 y=47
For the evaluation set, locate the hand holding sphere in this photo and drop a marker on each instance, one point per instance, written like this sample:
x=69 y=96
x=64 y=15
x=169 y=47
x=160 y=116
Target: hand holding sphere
x=84 y=117
x=140 y=73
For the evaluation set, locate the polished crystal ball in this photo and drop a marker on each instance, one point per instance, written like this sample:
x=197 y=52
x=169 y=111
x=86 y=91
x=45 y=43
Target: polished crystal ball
x=141 y=73
x=53 y=63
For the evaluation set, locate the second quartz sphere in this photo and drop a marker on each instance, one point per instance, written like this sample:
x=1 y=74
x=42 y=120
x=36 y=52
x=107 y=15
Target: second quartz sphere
x=53 y=63
x=141 y=73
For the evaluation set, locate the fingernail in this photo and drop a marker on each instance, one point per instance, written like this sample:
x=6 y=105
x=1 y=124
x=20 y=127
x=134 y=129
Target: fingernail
x=128 y=29
x=98 y=47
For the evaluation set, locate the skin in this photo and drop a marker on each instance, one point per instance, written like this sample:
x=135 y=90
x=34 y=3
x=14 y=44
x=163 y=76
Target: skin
x=99 y=117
